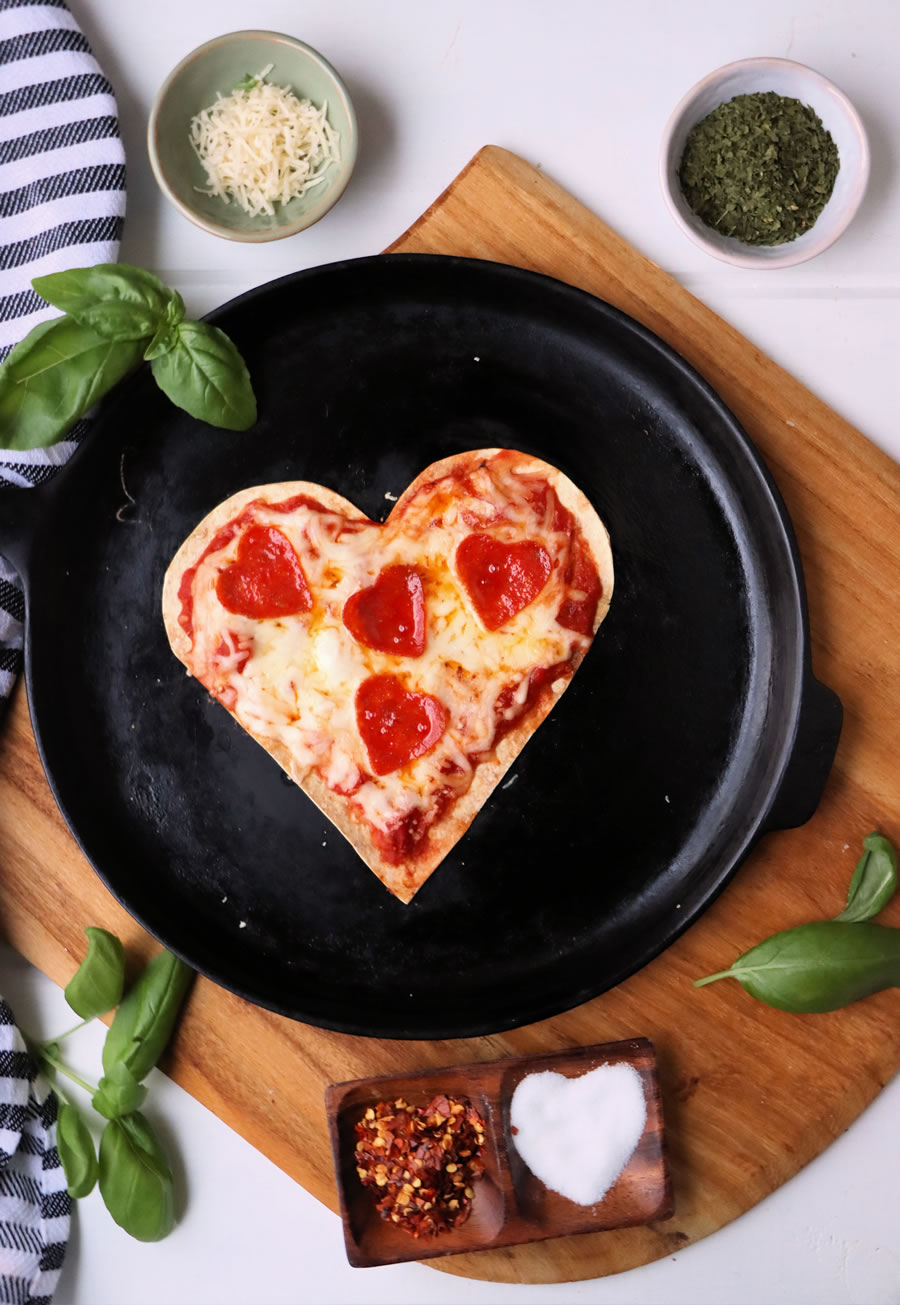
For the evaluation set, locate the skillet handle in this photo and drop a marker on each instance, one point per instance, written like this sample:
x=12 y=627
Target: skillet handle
x=818 y=732
x=21 y=513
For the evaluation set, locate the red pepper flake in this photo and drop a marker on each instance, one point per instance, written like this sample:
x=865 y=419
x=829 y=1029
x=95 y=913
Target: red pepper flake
x=422 y=1162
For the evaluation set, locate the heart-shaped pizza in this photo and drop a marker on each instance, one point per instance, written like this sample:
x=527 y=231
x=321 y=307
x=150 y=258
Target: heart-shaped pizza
x=395 y=671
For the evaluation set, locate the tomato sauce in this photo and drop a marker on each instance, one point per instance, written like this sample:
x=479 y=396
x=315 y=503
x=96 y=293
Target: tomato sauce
x=240 y=651
x=408 y=837
x=186 y=588
x=543 y=677
x=578 y=613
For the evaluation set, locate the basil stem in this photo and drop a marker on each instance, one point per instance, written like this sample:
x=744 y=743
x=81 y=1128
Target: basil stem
x=118 y=301
x=204 y=374
x=135 y=1179
x=76 y=1151
x=53 y=376
x=49 y=1053
x=96 y=985
x=874 y=881
x=143 y=1023
x=818 y=967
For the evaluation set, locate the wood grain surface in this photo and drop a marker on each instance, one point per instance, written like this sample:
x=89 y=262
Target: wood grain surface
x=750 y=1095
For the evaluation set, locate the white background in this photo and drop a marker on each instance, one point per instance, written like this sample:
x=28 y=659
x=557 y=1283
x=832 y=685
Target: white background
x=582 y=87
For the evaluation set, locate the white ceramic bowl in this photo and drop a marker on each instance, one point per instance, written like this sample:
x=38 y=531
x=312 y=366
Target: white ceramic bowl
x=839 y=117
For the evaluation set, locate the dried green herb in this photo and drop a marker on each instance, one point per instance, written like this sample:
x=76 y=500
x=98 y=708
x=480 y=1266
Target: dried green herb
x=759 y=168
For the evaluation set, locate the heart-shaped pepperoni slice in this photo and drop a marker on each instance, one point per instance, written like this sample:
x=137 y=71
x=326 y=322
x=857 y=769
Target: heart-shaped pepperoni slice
x=395 y=724
x=501 y=578
x=389 y=615
x=266 y=579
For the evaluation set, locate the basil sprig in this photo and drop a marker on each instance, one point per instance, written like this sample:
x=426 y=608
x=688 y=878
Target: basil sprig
x=116 y=316
x=135 y=1177
x=828 y=964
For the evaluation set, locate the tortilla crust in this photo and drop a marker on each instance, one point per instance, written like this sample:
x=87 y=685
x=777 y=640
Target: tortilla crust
x=403 y=881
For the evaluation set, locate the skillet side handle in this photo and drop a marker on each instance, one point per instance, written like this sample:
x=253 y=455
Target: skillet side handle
x=818 y=732
x=21 y=511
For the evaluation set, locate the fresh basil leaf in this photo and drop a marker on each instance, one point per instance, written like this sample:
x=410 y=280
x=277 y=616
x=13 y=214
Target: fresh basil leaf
x=163 y=341
x=135 y=1179
x=175 y=309
x=76 y=1151
x=118 y=321
x=118 y=301
x=118 y=1093
x=143 y=1023
x=53 y=376
x=166 y=336
x=96 y=986
x=204 y=374
x=818 y=967
x=874 y=881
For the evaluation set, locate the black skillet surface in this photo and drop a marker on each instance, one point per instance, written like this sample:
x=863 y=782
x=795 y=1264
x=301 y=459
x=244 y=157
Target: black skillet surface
x=631 y=807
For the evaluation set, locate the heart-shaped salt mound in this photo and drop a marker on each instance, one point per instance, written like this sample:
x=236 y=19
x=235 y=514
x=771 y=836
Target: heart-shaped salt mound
x=577 y=1134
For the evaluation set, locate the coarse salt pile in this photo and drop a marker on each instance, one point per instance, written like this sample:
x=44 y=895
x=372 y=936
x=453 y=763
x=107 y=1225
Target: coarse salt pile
x=263 y=146
x=577 y=1134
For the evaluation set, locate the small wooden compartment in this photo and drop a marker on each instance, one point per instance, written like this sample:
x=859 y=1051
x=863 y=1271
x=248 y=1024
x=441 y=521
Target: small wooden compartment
x=510 y=1205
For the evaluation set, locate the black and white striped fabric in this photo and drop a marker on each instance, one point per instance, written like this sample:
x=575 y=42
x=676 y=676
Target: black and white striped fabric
x=62 y=203
x=35 y=1207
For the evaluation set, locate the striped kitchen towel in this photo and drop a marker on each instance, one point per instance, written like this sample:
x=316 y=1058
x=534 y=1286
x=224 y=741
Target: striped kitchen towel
x=62 y=203
x=35 y=1207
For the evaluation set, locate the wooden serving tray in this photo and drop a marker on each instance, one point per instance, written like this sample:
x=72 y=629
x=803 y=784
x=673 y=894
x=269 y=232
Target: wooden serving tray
x=511 y=1205
x=742 y=1114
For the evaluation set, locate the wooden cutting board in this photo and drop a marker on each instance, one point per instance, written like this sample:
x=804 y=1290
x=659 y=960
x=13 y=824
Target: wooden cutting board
x=750 y=1094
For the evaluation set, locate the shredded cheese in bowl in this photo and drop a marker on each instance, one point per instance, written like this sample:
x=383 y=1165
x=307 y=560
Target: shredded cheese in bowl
x=262 y=146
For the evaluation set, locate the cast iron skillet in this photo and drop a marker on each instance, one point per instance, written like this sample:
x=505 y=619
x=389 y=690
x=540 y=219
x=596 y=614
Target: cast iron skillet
x=693 y=727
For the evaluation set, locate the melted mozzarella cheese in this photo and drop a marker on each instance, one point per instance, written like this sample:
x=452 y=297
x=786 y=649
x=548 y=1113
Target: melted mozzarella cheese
x=298 y=687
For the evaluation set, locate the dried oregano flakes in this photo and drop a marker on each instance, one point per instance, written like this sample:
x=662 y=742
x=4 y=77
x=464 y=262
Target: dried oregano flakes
x=760 y=168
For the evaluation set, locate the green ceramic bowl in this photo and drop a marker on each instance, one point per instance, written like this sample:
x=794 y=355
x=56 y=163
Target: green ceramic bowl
x=215 y=67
